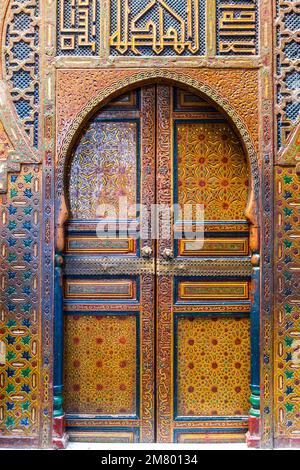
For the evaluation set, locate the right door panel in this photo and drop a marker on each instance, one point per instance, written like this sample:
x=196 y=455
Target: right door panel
x=203 y=300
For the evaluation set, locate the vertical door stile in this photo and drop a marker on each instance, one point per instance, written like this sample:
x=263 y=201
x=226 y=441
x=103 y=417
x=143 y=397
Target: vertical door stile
x=147 y=330
x=164 y=282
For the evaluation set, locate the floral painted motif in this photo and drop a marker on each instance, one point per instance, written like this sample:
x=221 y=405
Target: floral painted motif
x=21 y=52
x=212 y=170
x=100 y=364
x=213 y=366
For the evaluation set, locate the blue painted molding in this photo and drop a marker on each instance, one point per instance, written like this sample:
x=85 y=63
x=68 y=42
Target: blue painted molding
x=255 y=344
x=58 y=335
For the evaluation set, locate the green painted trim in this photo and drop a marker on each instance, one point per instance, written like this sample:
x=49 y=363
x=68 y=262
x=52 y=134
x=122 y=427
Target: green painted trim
x=57 y=406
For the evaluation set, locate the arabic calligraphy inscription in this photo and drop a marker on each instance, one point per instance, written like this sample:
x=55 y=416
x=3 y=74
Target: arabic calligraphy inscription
x=153 y=28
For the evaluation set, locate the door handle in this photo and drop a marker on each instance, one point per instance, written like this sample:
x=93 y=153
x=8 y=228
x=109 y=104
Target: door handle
x=146 y=252
x=167 y=254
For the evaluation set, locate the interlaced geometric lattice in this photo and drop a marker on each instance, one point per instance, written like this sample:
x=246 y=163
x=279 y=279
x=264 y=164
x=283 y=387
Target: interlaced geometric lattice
x=287 y=68
x=21 y=51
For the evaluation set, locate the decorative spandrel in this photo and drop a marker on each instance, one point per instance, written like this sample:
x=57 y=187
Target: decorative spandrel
x=157 y=27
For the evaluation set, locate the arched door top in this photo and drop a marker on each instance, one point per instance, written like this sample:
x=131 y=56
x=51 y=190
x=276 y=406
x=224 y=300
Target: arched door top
x=177 y=79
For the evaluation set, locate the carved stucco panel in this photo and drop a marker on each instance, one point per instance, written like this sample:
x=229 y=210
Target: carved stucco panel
x=77 y=88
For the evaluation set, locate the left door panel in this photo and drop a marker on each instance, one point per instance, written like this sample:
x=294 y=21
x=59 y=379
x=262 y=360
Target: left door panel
x=108 y=285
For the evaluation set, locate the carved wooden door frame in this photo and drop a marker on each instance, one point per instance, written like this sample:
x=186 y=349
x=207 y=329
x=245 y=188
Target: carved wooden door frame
x=62 y=215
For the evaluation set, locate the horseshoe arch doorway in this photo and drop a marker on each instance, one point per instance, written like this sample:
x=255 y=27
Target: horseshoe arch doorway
x=160 y=335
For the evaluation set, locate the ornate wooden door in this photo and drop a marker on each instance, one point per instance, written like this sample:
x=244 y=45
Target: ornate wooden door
x=157 y=342
x=109 y=286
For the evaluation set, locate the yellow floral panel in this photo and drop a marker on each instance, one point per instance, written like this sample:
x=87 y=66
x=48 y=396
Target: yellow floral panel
x=100 y=364
x=213 y=366
x=212 y=170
